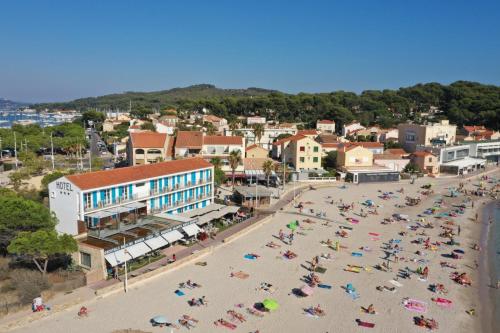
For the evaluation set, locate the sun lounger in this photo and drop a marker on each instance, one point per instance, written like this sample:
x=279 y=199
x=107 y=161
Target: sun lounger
x=395 y=283
x=324 y=286
x=240 y=275
x=320 y=269
x=365 y=323
x=415 y=305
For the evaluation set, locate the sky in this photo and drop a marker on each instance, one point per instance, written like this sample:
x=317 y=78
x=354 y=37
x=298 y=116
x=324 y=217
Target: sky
x=62 y=50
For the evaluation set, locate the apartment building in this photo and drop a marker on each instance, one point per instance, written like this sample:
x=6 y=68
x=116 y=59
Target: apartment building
x=436 y=134
x=148 y=147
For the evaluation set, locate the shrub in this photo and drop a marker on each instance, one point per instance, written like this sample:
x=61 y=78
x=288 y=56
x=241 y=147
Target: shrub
x=29 y=284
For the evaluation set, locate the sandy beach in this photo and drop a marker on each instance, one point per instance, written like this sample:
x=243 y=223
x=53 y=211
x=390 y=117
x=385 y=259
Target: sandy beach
x=368 y=238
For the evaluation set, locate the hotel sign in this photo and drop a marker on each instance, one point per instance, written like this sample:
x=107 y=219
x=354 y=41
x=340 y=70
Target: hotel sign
x=64 y=186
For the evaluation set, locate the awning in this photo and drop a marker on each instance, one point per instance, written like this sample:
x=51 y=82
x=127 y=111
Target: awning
x=117 y=257
x=138 y=249
x=172 y=236
x=135 y=205
x=156 y=242
x=100 y=214
x=111 y=259
x=217 y=214
x=192 y=229
x=118 y=210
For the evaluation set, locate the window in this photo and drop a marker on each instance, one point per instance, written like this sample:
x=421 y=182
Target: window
x=154 y=151
x=411 y=137
x=430 y=159
x=315 y=159
x=316 y=149
x=302 y=148
x=302 y=159
x=107 y=196
x=139 y=151
x=85 y=259
x=125 y=192
x=87 y=199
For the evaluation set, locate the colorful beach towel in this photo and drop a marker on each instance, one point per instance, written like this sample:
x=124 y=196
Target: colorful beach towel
x=179 y=292
x=324 y=286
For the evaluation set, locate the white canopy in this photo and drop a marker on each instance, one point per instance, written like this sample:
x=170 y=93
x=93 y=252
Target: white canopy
x=217 y=214
x=138 y=249
x=156 y=242
x=192 y=229
x=172 y=236
x=117 y=257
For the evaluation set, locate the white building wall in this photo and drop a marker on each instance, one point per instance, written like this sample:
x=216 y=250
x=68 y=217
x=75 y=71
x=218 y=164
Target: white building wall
x=64 y=200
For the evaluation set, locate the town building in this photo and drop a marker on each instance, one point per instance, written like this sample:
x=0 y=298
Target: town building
x=349 y=129
x=436 y=134
x=477 y=133
x=123 y=214
x=219 y=123
x=148 y=147
x=256 y=120
x=389 y=135
x=487 y=149
x=270 y=134
x=193 y=143
x=256 y=151
x=351 y=155
x=374 y=147
x=303 y=153
x=325 y=126
x=426 y=161
x=390 y=161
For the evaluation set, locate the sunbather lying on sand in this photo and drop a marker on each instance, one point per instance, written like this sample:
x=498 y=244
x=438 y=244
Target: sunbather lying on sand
x=255 y=312
x=428 y=323
x=225 y=323
x=316 y=311
x=236 y=316
x=186 y=323
x=273 y=245
x=289 y=254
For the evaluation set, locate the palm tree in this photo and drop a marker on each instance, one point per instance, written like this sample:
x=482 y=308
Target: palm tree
x=258 y=131
x=217 y=162
x=234 y=161
x=268 y=167
x=234 y=125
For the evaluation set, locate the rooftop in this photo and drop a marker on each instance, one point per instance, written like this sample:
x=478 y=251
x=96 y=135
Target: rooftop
x=97 y=179
x=326 y=121
x=148 y=139
x=189 y=139
x=222 y=140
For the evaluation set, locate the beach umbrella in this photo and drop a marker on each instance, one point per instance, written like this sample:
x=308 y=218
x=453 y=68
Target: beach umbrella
x=162 y=320
x=306 y=290
x=270 y=304
x=292 y=225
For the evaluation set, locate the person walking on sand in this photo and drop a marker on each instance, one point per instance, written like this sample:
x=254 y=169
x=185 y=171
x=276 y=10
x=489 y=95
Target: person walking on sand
x=459 y=230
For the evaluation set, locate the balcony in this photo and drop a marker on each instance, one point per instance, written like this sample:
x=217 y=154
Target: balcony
x=118 y=201
x=152 y=193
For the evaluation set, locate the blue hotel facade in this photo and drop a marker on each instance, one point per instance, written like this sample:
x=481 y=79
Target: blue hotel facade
x=89 y=201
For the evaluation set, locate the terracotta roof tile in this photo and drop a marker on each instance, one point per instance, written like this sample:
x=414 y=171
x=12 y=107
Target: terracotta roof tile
x=331 y=144
x=386 y=157
x=326 y=121
x=222 y=140
x=396 y=151
x=86 y=181
x=422 y=154
x=307 y=132
x=290 y=138
x=148 y=139
x=189 y=139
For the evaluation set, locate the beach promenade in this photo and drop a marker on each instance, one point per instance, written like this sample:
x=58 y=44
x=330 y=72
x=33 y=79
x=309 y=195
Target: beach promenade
x=369 y=238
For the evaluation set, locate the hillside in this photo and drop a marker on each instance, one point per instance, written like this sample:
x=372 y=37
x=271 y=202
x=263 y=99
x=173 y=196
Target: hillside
x=461 y=102
x=156 y=99
x=5 y=104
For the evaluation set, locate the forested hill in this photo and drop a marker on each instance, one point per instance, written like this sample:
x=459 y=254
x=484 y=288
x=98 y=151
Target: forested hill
x=156 y=99
x=462 y=102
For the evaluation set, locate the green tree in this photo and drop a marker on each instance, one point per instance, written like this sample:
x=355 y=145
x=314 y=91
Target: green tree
x=49 y=178
x=40 y=246
x=216 y=162
x=18 y=214
x=219 y=177
x=234 y=124
x=330 y=160
x=93 y=117
x=412 y=168
x=16 y=178
x=268 y=168
x=234 y=161
x=258 y=132
x=282 y=136
x=148 y=126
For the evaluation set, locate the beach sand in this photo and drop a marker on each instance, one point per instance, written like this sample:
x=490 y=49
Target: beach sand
x=157 y=297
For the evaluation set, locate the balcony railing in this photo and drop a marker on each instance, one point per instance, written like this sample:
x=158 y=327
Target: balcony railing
x=118 y=201
x=152 y=193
